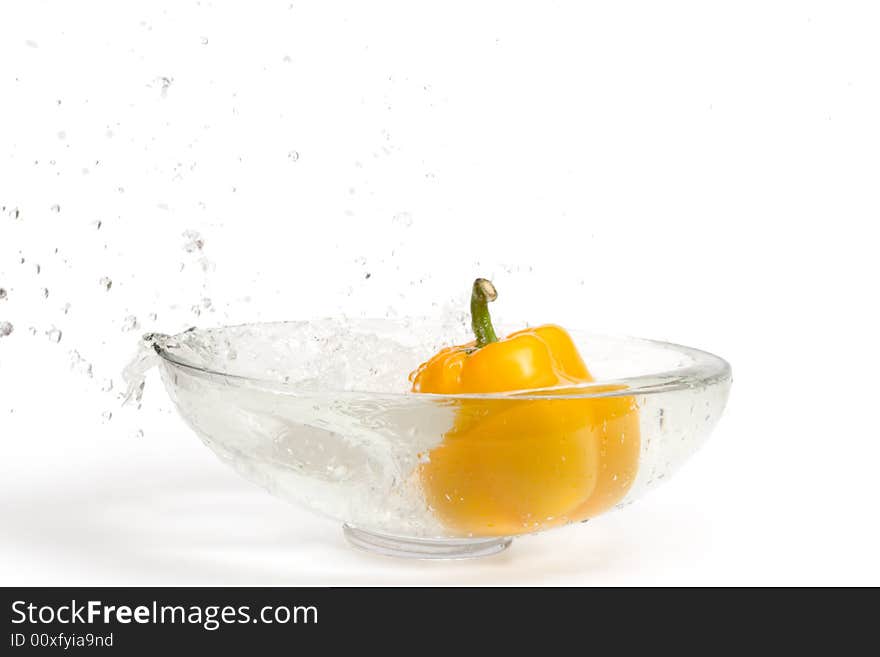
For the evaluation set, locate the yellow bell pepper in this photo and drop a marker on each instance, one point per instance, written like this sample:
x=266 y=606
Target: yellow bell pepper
x=509 y=466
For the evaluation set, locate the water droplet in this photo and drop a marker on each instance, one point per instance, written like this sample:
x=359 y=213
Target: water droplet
x=139 y=433
x=153 y=316
x=403 y=219
x=165 y=84
x=79 y=364
x=45 y=293
x=38 y=269
x=56 y=208
x=98 y=224
x=194 y=241
x=367 y=276
x=204 y=41
x=130 y=323
x=293 y=156
x=54 y=335
x=6 y=328
x=207 y=304
x=106 y=283
x=107 y=415
x=107 y=385
x=3 y=294
x=66 y=308
x=196 y=310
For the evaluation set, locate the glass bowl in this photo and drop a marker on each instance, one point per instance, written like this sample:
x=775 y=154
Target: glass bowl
x=319 y=413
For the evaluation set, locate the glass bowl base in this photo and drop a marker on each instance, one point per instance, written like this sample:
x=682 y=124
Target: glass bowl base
x=424 y=548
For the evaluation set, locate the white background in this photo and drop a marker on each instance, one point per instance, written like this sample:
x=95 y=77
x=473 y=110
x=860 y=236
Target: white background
x=705 y=173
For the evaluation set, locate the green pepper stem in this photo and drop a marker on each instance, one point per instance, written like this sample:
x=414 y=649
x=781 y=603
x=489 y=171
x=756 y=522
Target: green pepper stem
x=481 y=322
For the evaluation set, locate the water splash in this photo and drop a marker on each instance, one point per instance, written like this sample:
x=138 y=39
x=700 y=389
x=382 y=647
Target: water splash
x=6 y=328
x=135 y=372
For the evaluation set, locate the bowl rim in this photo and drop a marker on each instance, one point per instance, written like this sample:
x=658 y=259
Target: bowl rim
x=707 y=369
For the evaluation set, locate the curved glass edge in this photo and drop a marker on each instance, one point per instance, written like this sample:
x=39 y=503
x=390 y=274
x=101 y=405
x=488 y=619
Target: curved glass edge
x=707 y=370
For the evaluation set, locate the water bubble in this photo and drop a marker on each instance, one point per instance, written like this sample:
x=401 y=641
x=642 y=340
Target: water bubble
x=107 y=415
x=45 y=293
x=138 y=434
x=54 y=335
x=107 y=385
x=293 y=156
x=65 y=308
x=194 y=241
x=154 y=316
x=106 y=283
x=3 y=294
x=207 y=304
x=204 y=41
x=37 y=268
x=56 y=208
x=196 y=310
x=130 y=323
x=6 y=328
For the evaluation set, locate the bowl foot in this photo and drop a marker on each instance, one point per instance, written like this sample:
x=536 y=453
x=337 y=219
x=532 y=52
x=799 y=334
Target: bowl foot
x=424 y=548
